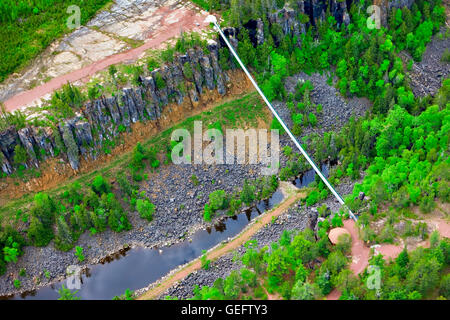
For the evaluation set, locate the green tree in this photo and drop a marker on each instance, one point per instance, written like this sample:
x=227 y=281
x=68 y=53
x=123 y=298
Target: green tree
x=67 y=294
x=247 y=193
x=207 y=213
x=64 y=237
x=20 y=155
x=39 y=233
x=424 y=276
x=100 y=185
x=304 y=291
x=218 y=200
x=10 y=254
x=444 y=287
x=145 y=209
x=231 y=286
x=79 y=253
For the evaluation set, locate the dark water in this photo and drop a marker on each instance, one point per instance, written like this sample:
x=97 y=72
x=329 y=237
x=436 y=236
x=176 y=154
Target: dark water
x=307 y=177
x=138 y=267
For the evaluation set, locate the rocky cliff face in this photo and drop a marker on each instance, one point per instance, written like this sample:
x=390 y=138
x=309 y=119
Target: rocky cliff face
x=84 y=135
x=188 y=76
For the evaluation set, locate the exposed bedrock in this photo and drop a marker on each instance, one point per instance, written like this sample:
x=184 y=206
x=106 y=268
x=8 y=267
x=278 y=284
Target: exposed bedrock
x=83 y=135
x=188 y=76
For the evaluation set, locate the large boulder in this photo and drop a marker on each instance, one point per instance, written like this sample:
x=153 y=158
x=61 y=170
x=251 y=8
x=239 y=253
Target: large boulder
x=335 y=233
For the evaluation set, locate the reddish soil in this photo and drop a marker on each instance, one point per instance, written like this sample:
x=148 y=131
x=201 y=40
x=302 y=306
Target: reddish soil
x=187 y=20
x=361 y=252
x=334 y=295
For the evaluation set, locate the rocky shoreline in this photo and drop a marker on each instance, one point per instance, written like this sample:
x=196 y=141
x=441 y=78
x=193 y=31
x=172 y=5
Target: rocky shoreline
x=297 y=217
x=179 y=213
x=179 y=204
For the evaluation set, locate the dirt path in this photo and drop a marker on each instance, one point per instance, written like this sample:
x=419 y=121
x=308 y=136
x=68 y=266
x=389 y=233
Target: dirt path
x=173 y=22
x=361 y=252
x=230 y=246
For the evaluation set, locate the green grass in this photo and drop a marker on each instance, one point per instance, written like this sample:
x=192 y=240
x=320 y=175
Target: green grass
x=26 y=33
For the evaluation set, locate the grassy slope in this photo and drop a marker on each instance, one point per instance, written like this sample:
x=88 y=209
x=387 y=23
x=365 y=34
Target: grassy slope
x=26 y=37
x=242 y=112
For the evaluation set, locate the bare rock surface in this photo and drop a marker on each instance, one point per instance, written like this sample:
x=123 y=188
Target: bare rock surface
x=120 y=27
x=428 y=74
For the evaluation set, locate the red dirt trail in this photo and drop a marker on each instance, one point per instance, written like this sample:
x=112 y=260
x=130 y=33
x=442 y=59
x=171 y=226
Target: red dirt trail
x=186 y=20
x=360 y=252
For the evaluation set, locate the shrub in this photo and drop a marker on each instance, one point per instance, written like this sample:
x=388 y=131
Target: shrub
x=17 y=283
x=344 y=243
x=304 y=291
x=138 y=156
x=67 y=294
x=260 y=293
x=79 y=253
x=207 y=213
x=152 y=64
x=218 y=200
x=194 y=180
x=204 y=260
x=312 y=198
x=64 y=237
x=100 y=185
x=336 y=221
x=247 y=193
x=145 y=209
x=446 y=56
x=444 y=288
x=128 y=295
x=285 y=173
x=20 y=155
x=235 y=204
x=124 y=184
x=39 y=234
x=287 y=151
x=187 y=70
x=160 y=83
x=312 y=119
x=276 y=125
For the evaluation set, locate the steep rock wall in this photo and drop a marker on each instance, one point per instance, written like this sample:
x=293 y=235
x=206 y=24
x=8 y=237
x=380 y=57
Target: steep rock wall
x=83 y=135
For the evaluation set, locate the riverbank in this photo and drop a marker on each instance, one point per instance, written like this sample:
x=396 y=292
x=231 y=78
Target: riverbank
x=179 y=209
x=293 y=217
x=292 y=195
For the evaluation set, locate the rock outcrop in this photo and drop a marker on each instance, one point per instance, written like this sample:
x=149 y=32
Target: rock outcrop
x=187 y=76
x=101 y=120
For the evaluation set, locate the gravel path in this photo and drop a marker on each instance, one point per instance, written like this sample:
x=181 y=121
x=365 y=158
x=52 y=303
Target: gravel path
x=239 y=240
